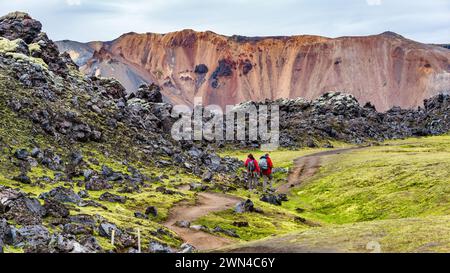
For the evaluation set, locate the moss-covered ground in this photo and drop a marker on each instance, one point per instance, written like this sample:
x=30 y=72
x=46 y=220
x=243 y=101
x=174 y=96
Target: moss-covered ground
x=396 y=194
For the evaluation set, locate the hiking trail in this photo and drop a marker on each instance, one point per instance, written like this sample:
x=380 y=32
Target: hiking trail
x=207 y=202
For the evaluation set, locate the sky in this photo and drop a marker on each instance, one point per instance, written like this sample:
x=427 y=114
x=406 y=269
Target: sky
x=426 y=21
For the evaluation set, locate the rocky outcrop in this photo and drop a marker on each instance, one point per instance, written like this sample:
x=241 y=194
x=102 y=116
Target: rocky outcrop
x=386 y=69
x=19 y=25
x=339 y=116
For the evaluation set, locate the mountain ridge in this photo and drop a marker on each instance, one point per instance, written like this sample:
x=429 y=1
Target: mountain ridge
x=386 y=69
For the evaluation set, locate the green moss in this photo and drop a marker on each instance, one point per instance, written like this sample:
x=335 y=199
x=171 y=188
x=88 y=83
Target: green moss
x=428 y=234
x=20 y=56
x=34 y=47
x=7 y=45
x=409 y=179
x=12 y=249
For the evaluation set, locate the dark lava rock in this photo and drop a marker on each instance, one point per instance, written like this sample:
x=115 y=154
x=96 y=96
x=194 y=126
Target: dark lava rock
x=61 y=194
x=299 y=210
x=107 y=171
x=183 y=224
x=207 y=176
x=109 y=197
x=140 y=215
x=6 y=232
x=151 y=210
x=186 y=248
x=22 y=178
x=91 y=203
x=32 y=236
x=244 y=206
x=78 y=229
x=157 y=247
x=83 y=194
x=106 y=228
x=21 y=154
x=299 y=219
x=197 y=187
x=274 y=199
x=19 y=25
x=83 y=219
x=150 y=93
x=240 y=224
x=75 y=158
x=20 y=208
x=97 y=184
x=111 y=88
x=55 y=208
x=36 y=152
x=227 y=232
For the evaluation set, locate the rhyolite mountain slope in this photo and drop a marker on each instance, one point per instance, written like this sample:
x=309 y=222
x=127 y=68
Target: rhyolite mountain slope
x=387 y=69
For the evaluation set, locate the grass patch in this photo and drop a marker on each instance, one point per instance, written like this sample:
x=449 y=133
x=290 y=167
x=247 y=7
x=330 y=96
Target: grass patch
x=409 y=179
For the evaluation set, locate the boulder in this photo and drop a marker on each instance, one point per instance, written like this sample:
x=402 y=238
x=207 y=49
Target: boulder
x=19 y=25
x=183 y=224
x=92 y=203
x=36 y=152
x=32 y=236
x=97 y=184
x=61 y=194
x=22 y=178
x=197 y=187
x=21 y=154
x=83 y=194
x=83 y=219
x=55 y=208
x=140 y=215
x=105 y=230
x=150 y=93
x=157 y=247
x=114 y=198
x=186 y=248
x=244 y=206
x=151 y=210
x=6 y=232
x=78 y=229
x=228 y=232
x=16 y=206
x=207 y=176
x=274 y=199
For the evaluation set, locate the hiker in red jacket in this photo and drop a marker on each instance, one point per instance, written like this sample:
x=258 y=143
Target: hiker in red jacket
x=252 y=171
x=266 y=166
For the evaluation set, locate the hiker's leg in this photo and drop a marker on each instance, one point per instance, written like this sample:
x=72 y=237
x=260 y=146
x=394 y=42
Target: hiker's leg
x=264 y=182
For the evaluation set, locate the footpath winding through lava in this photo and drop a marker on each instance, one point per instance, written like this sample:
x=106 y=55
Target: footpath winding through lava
x=207 y=202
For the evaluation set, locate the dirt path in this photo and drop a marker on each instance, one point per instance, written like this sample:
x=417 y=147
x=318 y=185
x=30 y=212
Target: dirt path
x=306 y=166
x=207 y=202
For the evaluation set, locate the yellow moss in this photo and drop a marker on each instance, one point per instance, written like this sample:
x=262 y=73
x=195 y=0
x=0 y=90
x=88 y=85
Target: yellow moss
x=7 y=45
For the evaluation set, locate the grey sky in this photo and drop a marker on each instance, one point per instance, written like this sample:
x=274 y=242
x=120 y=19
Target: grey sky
x=85 y=20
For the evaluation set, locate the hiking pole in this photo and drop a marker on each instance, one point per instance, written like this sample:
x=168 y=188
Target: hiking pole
x=113 y=232
x=139 y=240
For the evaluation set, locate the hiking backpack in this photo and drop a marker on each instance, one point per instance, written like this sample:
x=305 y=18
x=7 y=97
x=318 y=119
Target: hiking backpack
x=251 y=166
x=263 y=164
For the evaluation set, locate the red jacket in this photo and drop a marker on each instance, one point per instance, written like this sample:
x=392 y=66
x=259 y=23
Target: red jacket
x=257 y=170
x=270 y=165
